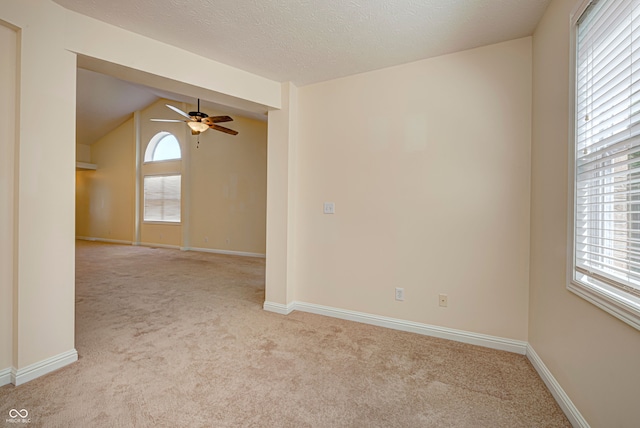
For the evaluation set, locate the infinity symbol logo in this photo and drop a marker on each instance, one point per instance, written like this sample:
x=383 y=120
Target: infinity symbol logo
x=13 y=413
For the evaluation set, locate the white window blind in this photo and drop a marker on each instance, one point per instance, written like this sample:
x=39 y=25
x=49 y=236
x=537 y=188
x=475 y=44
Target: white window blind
x=607 y=149
x=162 y=198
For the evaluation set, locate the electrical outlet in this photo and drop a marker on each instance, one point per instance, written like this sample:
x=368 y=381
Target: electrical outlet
x=329 y=208
x=206 y=239
x=399 y=294
x=443 y=299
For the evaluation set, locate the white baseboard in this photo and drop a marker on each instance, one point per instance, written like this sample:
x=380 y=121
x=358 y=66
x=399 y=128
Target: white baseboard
x=154 y=245
x=41 y=368
x=228 y=252
x=173 y=247
x=565 y=403
x=5 y=376
x=110 y=241
x=278 y=308
x=493 y=342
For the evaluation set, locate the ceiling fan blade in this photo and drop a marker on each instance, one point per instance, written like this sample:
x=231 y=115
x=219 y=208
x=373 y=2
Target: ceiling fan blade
x=223 y=129
x=168 y=120
x=180 y=112
x=216 y=119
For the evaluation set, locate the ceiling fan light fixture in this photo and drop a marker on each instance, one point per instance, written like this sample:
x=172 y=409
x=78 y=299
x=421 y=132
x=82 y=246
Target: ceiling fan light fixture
x=198 y=126
x=199 y=122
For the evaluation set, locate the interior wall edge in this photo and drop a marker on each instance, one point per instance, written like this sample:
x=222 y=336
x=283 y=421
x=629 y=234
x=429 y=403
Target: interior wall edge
x=108 y=241
x=41 y=368
x=570 y=410
x=5 y=376
x=10 y=38
x=479 y=339
x=520 y=347
x=227 y=252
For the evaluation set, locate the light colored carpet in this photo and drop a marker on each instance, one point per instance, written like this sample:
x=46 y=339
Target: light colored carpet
x=171 y=338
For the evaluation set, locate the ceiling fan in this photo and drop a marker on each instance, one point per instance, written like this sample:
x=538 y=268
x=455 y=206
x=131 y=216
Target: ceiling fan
x=199 y=122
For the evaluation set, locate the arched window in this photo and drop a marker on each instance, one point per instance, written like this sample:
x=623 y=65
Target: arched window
x=163 y=146
x=162 y=191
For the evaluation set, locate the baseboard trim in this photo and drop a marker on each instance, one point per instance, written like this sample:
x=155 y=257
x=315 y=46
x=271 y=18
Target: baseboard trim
x=173 y=247
x=563 y=400
x=227 y=252
x=109 y=241
x=278 y=308
x=5 y=376
x=493 y=342
x=41 y=368
x=154 y=245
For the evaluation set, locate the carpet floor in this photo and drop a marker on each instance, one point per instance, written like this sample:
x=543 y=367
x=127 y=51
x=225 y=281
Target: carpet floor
x=169 y=338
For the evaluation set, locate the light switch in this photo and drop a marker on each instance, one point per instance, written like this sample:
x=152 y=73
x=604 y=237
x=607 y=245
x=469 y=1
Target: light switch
x=329 y=208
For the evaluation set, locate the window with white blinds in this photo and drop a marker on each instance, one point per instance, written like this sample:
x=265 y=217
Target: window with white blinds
x=606 y=247
x=162 y=198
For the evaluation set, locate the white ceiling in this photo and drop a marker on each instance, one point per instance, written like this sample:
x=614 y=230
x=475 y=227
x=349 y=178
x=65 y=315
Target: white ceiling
x=309 y=41
x=104 y=102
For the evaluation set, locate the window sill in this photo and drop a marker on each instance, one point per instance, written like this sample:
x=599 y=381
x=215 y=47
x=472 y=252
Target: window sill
x=164 y=223
x=149 y=162
x=622 y=306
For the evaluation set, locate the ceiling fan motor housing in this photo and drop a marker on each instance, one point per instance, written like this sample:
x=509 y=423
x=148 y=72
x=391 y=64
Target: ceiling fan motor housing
x=198 y=115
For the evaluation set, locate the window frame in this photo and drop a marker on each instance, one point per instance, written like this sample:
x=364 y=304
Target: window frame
x=163 y=222
x=153 y=145
x=623 y=305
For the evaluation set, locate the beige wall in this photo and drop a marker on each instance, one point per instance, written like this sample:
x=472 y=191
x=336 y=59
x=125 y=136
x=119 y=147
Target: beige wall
x=105 y=197
x=593 y=355
x=282 y=137
x=224 y=185
x=44 y=266
x=428 y=165
x=83 y=153
x=228 y=190
x=44 y=263
x=8 y=45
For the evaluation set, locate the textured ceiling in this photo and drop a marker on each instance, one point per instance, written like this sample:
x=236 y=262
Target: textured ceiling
x=302 y=41
x=308 y=41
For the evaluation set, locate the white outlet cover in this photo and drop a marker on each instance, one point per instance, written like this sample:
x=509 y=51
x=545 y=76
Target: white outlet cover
x=329 y=208
x=443 y=300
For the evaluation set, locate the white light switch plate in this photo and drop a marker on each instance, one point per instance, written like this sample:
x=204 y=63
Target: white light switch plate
x=329 y=208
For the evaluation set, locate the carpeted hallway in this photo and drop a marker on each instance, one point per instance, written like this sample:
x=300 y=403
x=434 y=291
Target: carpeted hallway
x=171 y=338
